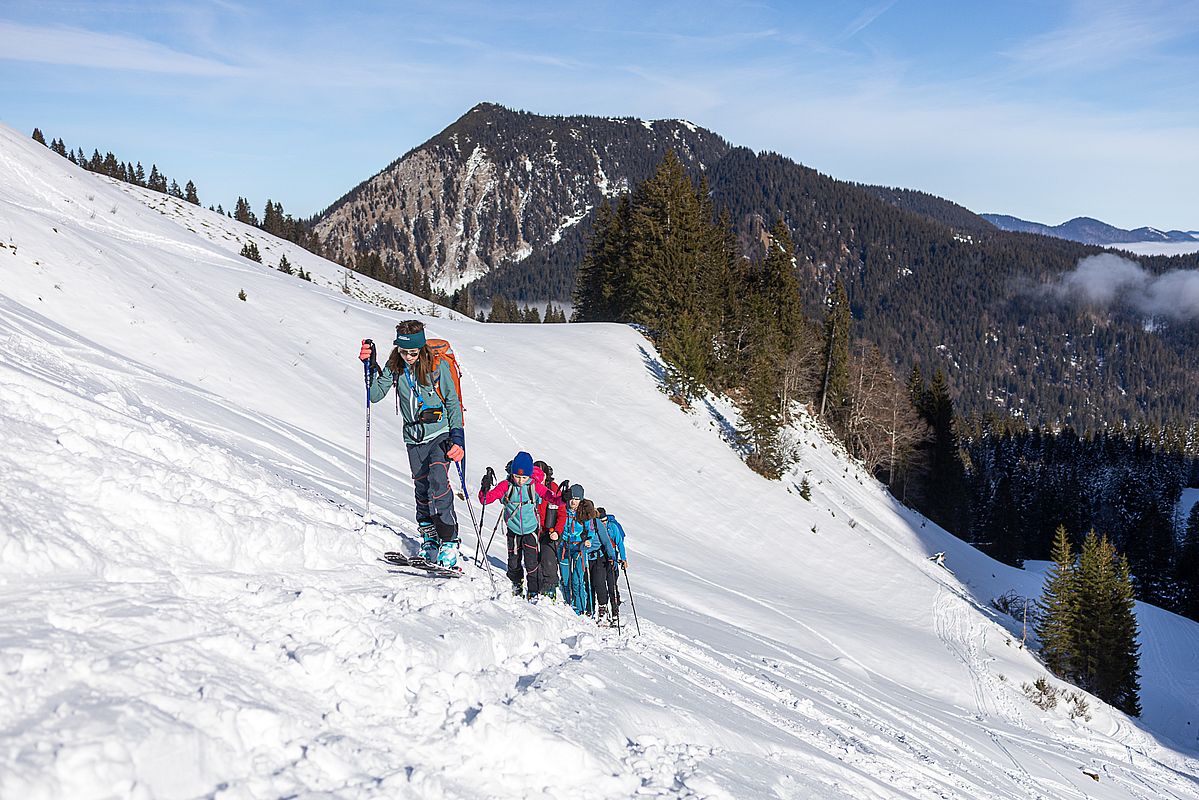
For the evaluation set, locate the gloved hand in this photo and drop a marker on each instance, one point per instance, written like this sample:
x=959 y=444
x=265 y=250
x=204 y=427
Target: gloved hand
x=488 y=481
x=624 y=564
x=368 y=351
x=455 y=453
x=564 y=490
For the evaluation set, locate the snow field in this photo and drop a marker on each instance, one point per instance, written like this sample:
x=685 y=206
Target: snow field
x=194 y=608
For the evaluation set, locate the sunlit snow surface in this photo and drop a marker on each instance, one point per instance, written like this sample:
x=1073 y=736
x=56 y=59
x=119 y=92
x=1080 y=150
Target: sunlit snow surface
x=192 y=607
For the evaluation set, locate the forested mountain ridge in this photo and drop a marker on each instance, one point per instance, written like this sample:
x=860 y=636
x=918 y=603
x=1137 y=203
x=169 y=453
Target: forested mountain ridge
x=506 y=199
x=969 y=301
x=498 y=187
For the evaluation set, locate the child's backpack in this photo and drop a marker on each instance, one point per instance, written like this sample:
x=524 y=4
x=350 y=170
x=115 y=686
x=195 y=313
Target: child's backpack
x=442 y=351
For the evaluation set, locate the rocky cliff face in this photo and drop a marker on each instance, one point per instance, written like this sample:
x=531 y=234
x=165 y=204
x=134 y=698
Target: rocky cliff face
x=498 y=186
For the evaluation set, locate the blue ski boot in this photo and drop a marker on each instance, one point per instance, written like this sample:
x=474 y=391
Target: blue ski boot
x=447 y=556
x=430 y=543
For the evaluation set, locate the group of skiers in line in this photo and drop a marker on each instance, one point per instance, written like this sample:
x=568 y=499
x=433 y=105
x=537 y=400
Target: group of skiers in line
x=556 y=536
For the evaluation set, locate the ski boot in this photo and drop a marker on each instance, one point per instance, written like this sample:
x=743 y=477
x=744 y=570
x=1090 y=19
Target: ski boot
x=518 y=590
x=601 y=614
x=447 y=555
x=430 y=543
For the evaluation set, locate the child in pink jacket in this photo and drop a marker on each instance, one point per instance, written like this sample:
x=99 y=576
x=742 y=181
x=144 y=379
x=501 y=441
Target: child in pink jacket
x=521 y=493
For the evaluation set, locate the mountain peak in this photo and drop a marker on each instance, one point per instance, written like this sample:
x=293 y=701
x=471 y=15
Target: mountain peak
x=499 y=184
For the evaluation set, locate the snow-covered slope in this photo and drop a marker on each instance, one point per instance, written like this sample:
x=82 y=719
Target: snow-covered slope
x=193 y=607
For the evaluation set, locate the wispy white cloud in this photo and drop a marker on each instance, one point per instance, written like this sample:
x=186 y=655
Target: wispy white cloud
x=505 y=54
x=864 y=19
x=1106 y=34
x=83 y=48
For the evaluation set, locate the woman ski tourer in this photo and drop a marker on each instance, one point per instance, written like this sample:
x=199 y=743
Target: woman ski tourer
x=580 y=533
x=433 y=433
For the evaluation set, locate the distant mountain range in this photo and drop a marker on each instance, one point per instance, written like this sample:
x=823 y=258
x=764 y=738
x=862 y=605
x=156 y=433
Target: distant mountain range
x=1089 y=231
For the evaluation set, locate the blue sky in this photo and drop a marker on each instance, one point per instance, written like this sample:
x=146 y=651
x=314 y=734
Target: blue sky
x=1044 y=110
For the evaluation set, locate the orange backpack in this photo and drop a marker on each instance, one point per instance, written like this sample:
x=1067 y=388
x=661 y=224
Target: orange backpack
x=442 y=351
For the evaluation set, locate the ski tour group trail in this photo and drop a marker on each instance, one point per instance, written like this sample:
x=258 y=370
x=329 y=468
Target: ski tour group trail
x=194 y=604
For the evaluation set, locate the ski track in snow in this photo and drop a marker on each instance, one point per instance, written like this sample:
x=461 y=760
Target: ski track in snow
x=193 y=605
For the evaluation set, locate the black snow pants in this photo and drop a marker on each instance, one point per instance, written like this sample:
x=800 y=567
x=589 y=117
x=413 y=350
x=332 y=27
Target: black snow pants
x=523 y=548
x=549 y=564
x=600 y=570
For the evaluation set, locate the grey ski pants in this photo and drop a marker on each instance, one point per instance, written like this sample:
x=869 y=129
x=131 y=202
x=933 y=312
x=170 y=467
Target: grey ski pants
x=431 y=478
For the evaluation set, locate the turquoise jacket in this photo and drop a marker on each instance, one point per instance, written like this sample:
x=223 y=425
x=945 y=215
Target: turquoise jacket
x=416 y=397
x=575 y=534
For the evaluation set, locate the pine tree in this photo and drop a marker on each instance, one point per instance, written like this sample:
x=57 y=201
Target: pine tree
x=948 y=503
x=1188 y=567
x=139 y=175
x=175 y=191
x=760 y=413
x=837 y=332
x=591 y=296
x=156 y=182
x=242 y=212
x=778 y=290
x=687 y=352
x=250 y=251
x=38 y=137
x=285 y=266
x=1058 y=607
x=190 y=194
x=272 y=218
x=667 y=238
x=1123 y=685
x=1004 y=532
x=1095 y=578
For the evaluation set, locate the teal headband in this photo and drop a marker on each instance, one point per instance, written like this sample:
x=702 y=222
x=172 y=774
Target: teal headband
x=410 y=341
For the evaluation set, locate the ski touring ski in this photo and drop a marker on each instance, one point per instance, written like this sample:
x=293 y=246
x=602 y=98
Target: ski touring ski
x=416 y=562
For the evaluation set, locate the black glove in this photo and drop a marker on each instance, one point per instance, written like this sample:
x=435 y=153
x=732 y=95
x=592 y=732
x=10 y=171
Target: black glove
x=488 y=481
x=564 y=490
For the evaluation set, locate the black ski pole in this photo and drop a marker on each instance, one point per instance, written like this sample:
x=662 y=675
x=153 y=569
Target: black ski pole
x=491 y=539
x=632 y=605
x=469 y=506
x=484 y=487
x=588 y=595
x=367 y=370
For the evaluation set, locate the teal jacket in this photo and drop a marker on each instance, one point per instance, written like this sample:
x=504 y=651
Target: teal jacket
x=415 y=397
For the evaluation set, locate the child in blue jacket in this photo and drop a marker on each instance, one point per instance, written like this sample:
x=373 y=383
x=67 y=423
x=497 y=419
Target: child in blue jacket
x=616 y=534
x=601 y=555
